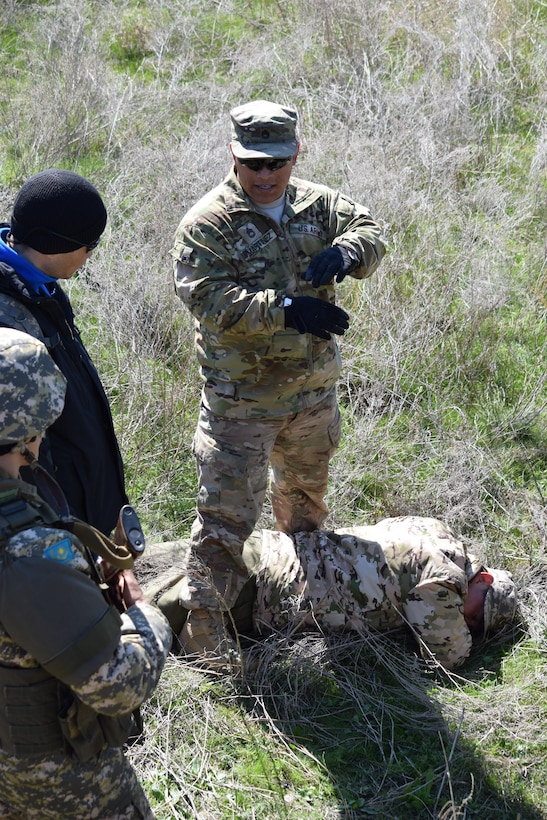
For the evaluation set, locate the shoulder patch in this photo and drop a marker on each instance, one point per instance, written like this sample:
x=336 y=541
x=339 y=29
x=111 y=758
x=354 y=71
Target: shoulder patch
x=61 y=551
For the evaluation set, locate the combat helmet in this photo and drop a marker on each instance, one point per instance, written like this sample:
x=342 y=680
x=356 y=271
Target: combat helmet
x=501 y=600
x=32 y=388
x=500 y=603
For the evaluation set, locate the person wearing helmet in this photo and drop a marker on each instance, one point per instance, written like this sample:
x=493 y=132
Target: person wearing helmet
x=408 y=572
x=58 y=218
x=72 y=667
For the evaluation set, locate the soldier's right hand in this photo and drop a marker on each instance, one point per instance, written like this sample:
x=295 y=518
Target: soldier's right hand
x=131 y=591
x=306 y=314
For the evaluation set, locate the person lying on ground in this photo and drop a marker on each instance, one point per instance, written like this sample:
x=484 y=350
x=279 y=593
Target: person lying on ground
x=409 y=572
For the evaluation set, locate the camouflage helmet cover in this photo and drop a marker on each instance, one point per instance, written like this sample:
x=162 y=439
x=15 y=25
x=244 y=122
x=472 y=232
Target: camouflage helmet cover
x=32 y=388
x=500 y=603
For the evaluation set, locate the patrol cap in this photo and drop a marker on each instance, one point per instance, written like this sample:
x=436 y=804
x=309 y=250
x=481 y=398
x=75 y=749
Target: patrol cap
x=264 y=129
x=500 y=603
x=32 y=388
x=58 y=211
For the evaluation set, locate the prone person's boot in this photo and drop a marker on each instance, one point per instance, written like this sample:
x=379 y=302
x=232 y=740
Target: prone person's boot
x=205 y=636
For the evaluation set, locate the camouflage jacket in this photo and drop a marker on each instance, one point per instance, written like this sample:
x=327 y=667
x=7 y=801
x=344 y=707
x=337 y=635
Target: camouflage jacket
x=408 y=571
x=233 y=268
x=113 y=677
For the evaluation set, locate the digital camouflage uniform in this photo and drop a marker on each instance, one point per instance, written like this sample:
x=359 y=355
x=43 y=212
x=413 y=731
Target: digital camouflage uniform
x=268 y=392
x=72 y=668
x=112 y=682
x=407 y=571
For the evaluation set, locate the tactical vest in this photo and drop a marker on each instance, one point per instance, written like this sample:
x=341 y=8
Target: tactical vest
x=40 y=715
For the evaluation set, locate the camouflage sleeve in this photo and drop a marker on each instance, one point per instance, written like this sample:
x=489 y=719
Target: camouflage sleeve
x=353 y=226
x=207 y=282
x=129 y=677
x=434 y=611
x=425 y=552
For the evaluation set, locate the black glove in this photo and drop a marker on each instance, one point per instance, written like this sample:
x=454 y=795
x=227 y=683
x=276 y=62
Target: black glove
x=324 y=266
x=306 y=314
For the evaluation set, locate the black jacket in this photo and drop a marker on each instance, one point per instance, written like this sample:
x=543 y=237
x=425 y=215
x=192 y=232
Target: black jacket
x=80 y=449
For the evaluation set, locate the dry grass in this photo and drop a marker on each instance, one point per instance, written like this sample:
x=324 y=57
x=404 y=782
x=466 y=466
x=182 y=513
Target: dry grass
x=434 y=116
x=346 y=727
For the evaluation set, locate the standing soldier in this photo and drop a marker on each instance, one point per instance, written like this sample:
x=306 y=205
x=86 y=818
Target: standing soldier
x=72 y=668
x=256 y=261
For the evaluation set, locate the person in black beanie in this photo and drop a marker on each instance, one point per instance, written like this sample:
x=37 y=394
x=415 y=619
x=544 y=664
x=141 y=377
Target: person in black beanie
x=58 y=218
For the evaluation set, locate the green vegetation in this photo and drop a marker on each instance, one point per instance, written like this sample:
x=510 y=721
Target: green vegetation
x=433 y=115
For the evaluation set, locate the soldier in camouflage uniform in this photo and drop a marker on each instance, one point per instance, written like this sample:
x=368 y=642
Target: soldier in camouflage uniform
x=409 y=572
x=256 y=261
x=72 y=668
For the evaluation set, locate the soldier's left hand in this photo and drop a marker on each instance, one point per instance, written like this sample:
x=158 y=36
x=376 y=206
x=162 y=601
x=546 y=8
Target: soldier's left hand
x=325 y=266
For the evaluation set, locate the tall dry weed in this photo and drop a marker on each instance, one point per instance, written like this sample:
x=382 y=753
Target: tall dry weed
x=433 y=115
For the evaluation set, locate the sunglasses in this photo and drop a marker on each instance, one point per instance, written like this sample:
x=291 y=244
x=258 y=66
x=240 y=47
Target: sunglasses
x=271 y=164
x=89 y=246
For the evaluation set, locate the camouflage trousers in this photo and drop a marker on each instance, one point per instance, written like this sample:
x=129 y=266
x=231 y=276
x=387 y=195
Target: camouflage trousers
x=61 y=788
x=232 y=458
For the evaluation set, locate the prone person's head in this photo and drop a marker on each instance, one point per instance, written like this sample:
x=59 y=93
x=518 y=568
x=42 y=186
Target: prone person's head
x=491 y=602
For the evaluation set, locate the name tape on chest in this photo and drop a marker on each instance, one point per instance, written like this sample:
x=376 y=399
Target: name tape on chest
x=253 y=241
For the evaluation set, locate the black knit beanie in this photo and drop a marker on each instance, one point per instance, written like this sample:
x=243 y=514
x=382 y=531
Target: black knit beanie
x=58 y=211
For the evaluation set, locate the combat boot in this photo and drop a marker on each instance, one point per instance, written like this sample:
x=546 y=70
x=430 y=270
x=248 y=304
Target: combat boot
x=205 y=636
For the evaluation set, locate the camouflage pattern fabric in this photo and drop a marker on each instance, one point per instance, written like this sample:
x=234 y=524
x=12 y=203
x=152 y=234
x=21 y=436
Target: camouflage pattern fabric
x=402 y=572
x=61 y=788
x=233 y=268
x=59 y=785
x=32 y=388
x=232 y=459
x=261 y=128
x=500 y=603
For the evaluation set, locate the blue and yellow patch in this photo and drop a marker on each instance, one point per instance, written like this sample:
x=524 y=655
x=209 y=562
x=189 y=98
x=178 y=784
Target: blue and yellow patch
x=61 y=551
